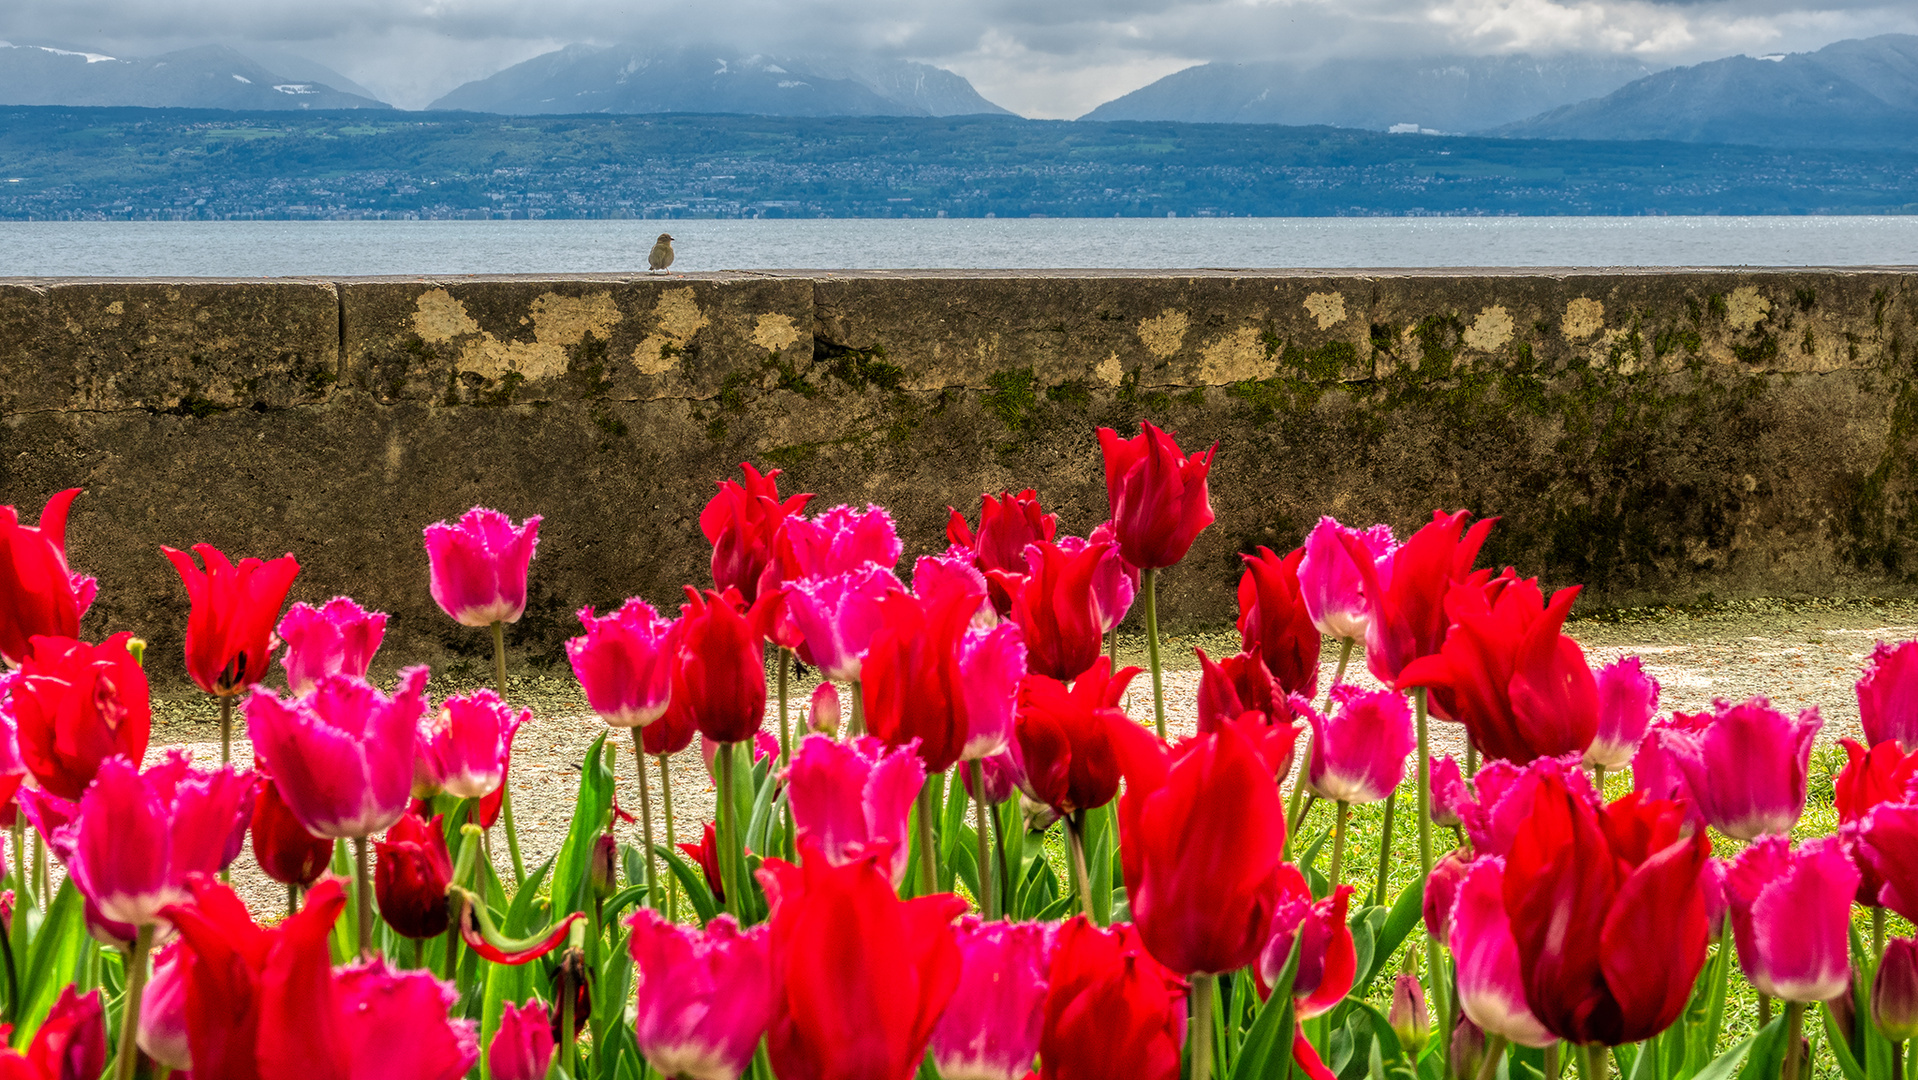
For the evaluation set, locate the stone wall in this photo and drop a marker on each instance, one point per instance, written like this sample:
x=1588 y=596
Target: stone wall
x=1657 y=436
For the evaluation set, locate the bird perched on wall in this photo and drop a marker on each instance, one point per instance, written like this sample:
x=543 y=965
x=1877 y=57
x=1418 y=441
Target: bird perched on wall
x=662 y=256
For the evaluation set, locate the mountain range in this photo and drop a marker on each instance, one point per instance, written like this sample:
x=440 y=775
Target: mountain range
x=207 y=77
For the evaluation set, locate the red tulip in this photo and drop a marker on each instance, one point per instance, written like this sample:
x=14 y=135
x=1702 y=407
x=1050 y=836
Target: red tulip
x=1200 y=835
x=1006 y=525
x=523 y=1046
x=412 y=871
x=70 y=1044
x=229 y=631
x=721 y=676
x=39 y=594
x=1881 y=775
x=337 y=638
x=77 y=705
x=1111 y=1010
x=860 y=977
x=745 y=524
x=1054 y=607
x=672 y=732
x=1407 y=590
x=1499 y=801
x=283 y=847
x=477 y=566
x=1157 y=494
x=705 y=854
x=1328 y=959
x=1274 y=622
x=912 y=684
x=1067 y=753
x=1239 y=690
x=1520 y=687
x=1627 y=875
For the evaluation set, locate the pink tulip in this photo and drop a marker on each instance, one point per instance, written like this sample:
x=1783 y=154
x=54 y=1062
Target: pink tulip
x=343 y=755
x=854 y=799
x=139 y=836
x=704 y=997
x=839 y=541
x=990 y=1029
x=1001 y=773
x=1491 y=988
x=822 y=712
x=1655 y=769
x=162 y=1031
x=1328 y=959
x=991 y=663
x=337 y=638
x=1791 y=914
x=1358 y=751
x=624 y=661
x=1887 y=843
x=478 y=567
x=1888 y=695
x=1330 y=581
x=463 y=747
x=936 y=577
x=1748 y=768
x=1451 y=796
x=523 y=1044
x=837 y=617
x=1441 y=893
x=1114 y=583
x=1894 y=991
x=1627 y=701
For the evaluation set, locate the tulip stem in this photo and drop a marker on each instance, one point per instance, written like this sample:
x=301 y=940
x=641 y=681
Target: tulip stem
x=1471 y=758
x=1591 y=1060
x=1150 y=579
x=988 y=896
x=1494 y=1049
x=666 y=793
x=1764 y=1009
x=363 y=880
x=292 y=898
x=785 y=725
x=928 y=863
x=857 y=726
x=1598 y=780
x=1877 y=934
x=40 y=887
x=1200 y=1027
x=728 y=831
x=1425 y=783
x=1338 y=673
x=1794 y=1040
x=1385 y=847
x=450 y=963
x=1081 y=877
x=226 y=730
x=21 y=861
x=130 y=1012
x=1338 y=845
x=1552 y=1062
x=506 y=787
x=646 y=820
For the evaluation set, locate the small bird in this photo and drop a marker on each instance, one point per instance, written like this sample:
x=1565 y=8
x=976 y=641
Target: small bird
x=662 y=256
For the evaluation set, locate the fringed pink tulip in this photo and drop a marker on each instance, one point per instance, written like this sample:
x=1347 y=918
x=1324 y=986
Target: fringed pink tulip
x=1748 y=769
x=704 y=997
x=990 y=1029
x=162 y=1033
x=478 y=566
x=337 y=638
x=1441 y=893
x=1627 y=701
x=342 y=755
x=1358 y=751
x=855 y=799
x=1888 y=695
x=464 y=745
x=1655 y=768
x=823 y=711
x=624 y=661
x=39 y=594
x=1503 y=796
x=1328 y=959
x=837 y=617
x=1491 y=988
x=1330 y=582
x=1894 y=991
x=140 y=836
x=991 y=665
x=1791 y=914
x=938 y=577
x=1450 y=794
x=523 y=1044
x=839 y=541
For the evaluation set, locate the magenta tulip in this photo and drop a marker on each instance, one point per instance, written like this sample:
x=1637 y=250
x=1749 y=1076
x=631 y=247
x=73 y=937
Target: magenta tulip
x=704 y=997
x=990 y=1029
x=1441 y=893
x=1748 y=768
x=1627 y=701
x=523 y=1044
x=1503 y=796
x=936 y=578
x=1894 y=991
x=1791 y=913
x=337 y=638
x=854 y=799
x=1359 y=750
x=839 y=541
x=624 y=661
x=1330 y=581
x=1157 y=494
x=837 y=616
x=1491 y=988
x=991 y=665
x=162 y=1032
x=140 y=836
x=823 y=712
x=1888 y=695
x=343 y=755
x=478 y=566
x=464 y=745
x=1328 y=958
x=1450 y=794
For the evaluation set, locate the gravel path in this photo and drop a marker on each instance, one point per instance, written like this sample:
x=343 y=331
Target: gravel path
x=1799 y=654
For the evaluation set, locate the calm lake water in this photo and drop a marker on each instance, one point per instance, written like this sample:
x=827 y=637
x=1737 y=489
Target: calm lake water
x=343 y=248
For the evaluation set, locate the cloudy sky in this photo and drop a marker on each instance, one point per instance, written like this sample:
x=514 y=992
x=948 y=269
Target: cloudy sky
x=1040 y=58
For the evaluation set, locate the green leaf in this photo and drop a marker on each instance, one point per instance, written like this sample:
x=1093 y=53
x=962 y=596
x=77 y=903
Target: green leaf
x=1399 y=923
x=56 y=957
x=592 y=812
x=1841 y=1048
x=692 y=881
x=519 y=916
x=1767 y=1052
x=1362 y=946
x=1059 y=908
x=1100 y=826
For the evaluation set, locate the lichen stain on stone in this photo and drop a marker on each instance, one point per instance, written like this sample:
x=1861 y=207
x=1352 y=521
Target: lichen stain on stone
x=1327 y=307
x=1584 y=317
x=1490 y=331
x=438 y=318
x=676 y=318
x=774 y=331
x=1163 y=335
x=1746 y=308
x=1236 y=357
x=1109 y=371
x=118 y=307
x=559 y=322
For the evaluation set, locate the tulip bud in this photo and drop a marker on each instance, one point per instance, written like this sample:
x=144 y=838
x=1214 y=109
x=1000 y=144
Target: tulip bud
x=523 y=1046
x=1410 y=1020
x=1894 y=992
x=822 y=713
x=411 y=872
x=163 y=1017
x=1468 y=1048
x=1441 y=890
x=604 y=867
x=569 y=979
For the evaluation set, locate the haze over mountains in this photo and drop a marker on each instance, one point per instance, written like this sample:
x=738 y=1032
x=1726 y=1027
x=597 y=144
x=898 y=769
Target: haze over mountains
x=208 y=77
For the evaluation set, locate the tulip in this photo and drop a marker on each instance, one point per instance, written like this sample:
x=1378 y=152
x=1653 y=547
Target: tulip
x=1359 y=749
x=624 y=661
x=1441 y=893
x=1006 y=525
x=1001 y=776
x=1628 y=876
x=336 y=638
x=39 y=594
x=1055 y=609
x=1157 y=494
x=672 y=733
x=991 y=1029
x=839 y=541
x=1627 y=701
x=1888 y=695
x=912 y=686
x=1520 y=687
x=1201 y=832
x=1407 y=590
x=1067 y=753
x=720 y=675
x=463 y=747
x=1887 y=842
x=1880 y=775
x=991 y=665
x=1747 y=769
x=1110 y=1009
x=745 y=524
x=1450 y=794
x=705 y=855
x=477 y=566
x=1328 y=960
x=1274 y=621
x=1411 y=1021
x=229 y=632
x=283 y=847
x=859 y=977
x=1330 y=583
x=1655 y=769
x=704 y=997
x=852 y=800
x=823 y=711
x=140 y=836
x=1502 y=795
x=1491 y=988
x=412 y=871
x=523 y=1044
x=1114 y=583
x=1468 y=1047
x=836 y=617
x=163 y=1017
x=1790 y=912
x=1894 y=991
x=343 y=755
x=939 y=578
x=1231 y=687
x=70 y=1044
x=76 y=705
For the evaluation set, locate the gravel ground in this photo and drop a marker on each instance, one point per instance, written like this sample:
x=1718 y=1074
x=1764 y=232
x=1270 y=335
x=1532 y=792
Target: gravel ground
x=1800 y=654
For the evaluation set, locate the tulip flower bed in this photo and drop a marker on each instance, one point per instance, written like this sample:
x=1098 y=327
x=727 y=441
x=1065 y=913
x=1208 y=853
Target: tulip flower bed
x=878 y=895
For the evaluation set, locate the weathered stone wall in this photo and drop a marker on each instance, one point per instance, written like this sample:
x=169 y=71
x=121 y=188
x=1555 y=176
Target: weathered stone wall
x=1655 y=435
